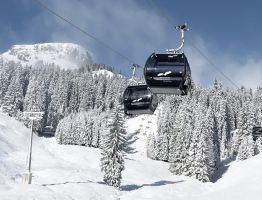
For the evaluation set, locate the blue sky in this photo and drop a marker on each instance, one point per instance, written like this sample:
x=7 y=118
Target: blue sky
x=228 y=32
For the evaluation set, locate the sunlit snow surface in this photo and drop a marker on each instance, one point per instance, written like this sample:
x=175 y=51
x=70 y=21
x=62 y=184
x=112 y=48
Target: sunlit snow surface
x=103 y=72
x=73 y=172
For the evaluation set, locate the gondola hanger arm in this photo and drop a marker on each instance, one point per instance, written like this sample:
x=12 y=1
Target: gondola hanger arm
x=134 y=67
x=182 y=29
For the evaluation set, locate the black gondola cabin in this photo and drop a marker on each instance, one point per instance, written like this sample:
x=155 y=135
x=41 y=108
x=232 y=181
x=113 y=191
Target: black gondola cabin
x=139 y=100
x=256 y=132
x=168 y=73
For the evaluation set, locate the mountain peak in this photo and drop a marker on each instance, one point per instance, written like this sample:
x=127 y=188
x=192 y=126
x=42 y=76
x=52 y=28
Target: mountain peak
x=64 y=55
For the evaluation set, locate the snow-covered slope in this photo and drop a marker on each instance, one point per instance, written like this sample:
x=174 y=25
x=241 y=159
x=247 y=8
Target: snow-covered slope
x=72 y=172
x=64 y=55
x=59 y=172
x=12 y=147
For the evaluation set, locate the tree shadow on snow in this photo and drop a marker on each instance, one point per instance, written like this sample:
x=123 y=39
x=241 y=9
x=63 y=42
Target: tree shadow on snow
x=223 y=167
x=131 y=139
x=67 y=182
x=132 y=187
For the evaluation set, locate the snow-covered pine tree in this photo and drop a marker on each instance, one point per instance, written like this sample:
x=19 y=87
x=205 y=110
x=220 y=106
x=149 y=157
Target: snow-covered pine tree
x=74 y=97
x=233 y=106
x=36 y=100
x=176 y=151
x=87 y=131
x=98 y=127
x=163 y=134
x=64 y=130
x=100 y=94
x=206 y=158
x=83 y=128
x=6 y=74
x=258 y=106
x=242 y=143
x=59 y=99
x=113 y=140
x=13 y=99
x=110 y=95
x=194 y=144
x=258 y=145
x=86 y=92
x=245 y=148
x=180 y=139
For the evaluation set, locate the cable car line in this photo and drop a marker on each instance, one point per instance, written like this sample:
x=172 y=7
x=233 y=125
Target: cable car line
x=83 y=31
x=214 y=66
x=167 y=73
x=163 y=15
x=138 y=99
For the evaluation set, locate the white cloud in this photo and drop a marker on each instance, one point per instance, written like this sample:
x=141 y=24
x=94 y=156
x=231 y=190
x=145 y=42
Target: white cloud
x=246 y=74
x=124 y=25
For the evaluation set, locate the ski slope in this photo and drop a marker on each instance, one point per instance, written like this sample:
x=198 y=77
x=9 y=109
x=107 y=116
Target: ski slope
x=73 y=172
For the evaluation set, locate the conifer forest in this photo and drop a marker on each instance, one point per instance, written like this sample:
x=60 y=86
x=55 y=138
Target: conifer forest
x=195 y=133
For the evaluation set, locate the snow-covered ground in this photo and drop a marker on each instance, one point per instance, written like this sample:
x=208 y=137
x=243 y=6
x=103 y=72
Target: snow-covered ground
x=73 y=172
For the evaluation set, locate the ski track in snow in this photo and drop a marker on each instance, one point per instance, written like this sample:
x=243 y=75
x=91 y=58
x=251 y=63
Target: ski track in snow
x=73 y=172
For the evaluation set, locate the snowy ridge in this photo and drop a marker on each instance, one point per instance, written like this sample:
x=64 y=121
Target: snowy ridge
x=103 y=72
x=64 y=55
x=73 y=172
